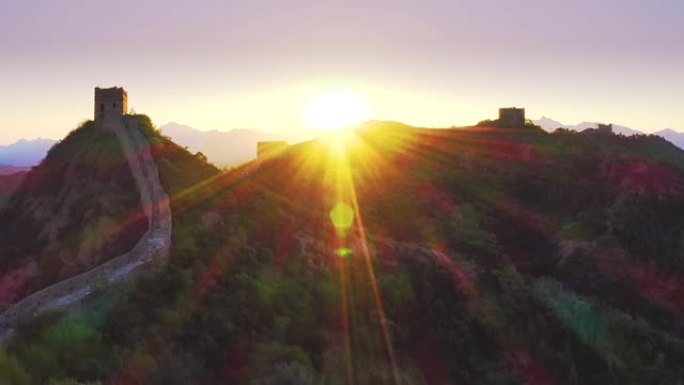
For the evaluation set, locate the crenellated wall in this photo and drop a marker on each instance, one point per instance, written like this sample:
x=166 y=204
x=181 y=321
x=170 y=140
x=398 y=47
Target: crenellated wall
x=151 y=251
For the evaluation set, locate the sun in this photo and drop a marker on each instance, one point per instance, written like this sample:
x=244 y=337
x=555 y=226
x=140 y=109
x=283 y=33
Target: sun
x=333 y=110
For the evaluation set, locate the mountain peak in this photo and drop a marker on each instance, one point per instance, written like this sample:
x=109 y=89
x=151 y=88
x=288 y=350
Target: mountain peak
x=667 y=131
x=549 y=124
x=674 y=137
x=25 y=153
x=86 y=173
x=213 y=143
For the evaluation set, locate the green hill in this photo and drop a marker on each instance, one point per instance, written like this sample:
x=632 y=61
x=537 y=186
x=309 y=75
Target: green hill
x=74 y=210
x=396 y=254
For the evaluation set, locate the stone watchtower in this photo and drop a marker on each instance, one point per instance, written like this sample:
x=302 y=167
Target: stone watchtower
x=111 y=104
x=604 y=128
x=512 y=117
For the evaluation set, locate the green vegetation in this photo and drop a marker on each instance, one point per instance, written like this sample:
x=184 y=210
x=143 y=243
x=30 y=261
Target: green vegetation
x=467 y=286
x=11 y=372
x=82 y=191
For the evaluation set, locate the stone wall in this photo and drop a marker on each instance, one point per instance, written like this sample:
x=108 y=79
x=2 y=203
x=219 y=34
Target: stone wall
x=152 y=250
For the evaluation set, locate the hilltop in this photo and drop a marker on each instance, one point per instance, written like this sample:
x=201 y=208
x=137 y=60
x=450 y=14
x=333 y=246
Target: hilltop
x=395 y=253
x=76 y=210
x=549 y=124
x=78 y=207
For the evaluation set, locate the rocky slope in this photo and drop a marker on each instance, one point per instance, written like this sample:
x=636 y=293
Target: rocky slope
x=149 y=254
x=74 y=211
x=9 y=184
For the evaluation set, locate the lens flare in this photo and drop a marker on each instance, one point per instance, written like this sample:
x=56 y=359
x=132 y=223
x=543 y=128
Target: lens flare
x=342 y=216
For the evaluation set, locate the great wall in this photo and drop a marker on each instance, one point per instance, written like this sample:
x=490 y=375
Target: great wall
x=149 y=253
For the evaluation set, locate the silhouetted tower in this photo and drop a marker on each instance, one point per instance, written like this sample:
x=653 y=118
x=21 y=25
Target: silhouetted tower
x=512 y=117
x=111 y=104
x=604 y=128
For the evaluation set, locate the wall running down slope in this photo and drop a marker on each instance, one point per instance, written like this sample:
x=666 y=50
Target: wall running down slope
x=151 y=251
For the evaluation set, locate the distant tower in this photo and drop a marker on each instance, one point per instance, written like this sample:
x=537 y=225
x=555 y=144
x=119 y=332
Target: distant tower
x=511 y=117
x=604 y=128
x=111 y=104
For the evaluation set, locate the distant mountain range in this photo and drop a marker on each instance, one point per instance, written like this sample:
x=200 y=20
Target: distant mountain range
x=549 y=124
x=225 y=148
x=25 y=153
x=11 y=170
x=674 y=137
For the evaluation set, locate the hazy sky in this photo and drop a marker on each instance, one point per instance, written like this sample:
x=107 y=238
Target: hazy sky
x=253 y=64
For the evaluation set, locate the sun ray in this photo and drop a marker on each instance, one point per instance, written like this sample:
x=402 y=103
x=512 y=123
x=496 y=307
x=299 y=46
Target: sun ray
x=346 y=217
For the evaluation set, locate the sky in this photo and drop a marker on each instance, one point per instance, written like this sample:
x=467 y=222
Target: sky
x=254 y=64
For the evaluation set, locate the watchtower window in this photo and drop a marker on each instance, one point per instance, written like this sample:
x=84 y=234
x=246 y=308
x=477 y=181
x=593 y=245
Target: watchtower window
x=101 y=106
x=113 y=104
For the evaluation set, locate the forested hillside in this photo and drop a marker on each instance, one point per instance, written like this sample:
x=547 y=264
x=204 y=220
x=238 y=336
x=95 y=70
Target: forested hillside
x=9 y=184
x=392 y=254
x=75 y=210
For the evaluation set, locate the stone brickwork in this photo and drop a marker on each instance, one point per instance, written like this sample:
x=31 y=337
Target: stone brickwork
x=111 y=104
x=512 y=117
